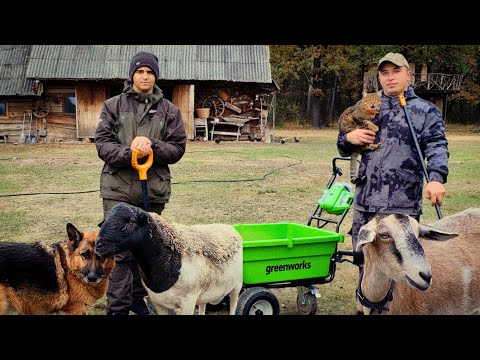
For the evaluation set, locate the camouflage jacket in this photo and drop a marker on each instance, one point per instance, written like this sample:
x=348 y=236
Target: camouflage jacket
x=124 y=117
x=391 y=177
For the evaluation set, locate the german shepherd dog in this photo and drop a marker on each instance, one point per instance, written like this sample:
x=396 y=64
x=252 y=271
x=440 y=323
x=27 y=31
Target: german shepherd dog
x=65 y=277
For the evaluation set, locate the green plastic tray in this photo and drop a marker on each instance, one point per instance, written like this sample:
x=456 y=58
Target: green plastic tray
x=280 y=252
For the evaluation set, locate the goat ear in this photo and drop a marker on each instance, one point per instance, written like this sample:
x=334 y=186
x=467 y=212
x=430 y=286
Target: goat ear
x=431 y=233
x=367 y=233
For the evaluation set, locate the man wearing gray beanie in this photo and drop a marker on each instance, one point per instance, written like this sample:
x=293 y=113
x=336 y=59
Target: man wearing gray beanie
x=140 y=118
x=143 y=58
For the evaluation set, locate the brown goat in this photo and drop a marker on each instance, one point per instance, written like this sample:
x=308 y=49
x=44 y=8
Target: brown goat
x=430 y=277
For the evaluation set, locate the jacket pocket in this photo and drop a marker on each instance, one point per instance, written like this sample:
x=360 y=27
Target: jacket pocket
x=162 y=172
x=405 y=190
x=110 y=169
x=408 y=176
x=157 y=124
x=159 y=186
x=115 y=183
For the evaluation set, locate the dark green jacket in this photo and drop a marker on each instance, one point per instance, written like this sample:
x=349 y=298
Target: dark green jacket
x=124 y=117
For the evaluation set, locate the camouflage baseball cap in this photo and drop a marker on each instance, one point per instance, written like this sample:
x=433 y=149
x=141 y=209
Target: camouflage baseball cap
x=395 y=58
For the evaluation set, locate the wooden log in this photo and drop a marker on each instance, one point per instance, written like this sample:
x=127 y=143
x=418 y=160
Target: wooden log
x=233 y=107
x=223 y=95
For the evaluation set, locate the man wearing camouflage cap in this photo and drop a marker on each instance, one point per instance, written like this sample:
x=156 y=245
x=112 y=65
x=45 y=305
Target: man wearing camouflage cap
x=391 y=176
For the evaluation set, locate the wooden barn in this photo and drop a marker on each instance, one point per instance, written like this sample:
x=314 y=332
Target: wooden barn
x=56 y=92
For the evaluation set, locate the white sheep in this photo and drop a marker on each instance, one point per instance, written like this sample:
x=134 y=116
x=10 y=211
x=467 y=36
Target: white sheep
x=427 y=277
x=181 y=266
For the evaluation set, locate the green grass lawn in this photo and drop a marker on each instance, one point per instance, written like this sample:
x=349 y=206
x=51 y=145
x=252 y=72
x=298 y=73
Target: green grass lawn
x=230 y=182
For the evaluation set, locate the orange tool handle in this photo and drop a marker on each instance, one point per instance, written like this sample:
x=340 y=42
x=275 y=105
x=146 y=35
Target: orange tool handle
x=142 y=168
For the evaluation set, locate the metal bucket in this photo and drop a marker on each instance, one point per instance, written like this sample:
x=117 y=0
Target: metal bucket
x=31 y=139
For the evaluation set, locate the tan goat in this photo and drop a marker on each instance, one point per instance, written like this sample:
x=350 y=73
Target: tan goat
x=427 y=277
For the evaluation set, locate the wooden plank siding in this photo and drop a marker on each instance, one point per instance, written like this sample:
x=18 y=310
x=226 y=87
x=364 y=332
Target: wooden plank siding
x=11 y=125
x=90 y=99
x=183 y=97
x=59 y=125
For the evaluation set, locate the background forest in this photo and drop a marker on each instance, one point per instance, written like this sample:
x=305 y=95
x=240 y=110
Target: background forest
x=319 y=81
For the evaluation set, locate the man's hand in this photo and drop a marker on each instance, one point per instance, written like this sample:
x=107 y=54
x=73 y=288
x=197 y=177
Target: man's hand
x=143 y=144
x=361 y=137
x=435 y=191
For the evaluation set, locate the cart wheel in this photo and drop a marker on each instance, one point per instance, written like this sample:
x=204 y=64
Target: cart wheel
x=257 y=301
x=41 y=108
x=215 y=104
x=306 y=303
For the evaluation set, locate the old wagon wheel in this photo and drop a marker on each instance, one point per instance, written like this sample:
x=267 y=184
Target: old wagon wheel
x=41 y=108
x=215 y=104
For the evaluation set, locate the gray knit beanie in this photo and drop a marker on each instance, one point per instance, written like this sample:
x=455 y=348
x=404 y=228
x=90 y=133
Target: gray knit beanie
x=143 y=58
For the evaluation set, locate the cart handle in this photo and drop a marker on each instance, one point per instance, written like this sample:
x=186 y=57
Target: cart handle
x=142 y=168
x=336 y=170
x=334 y=164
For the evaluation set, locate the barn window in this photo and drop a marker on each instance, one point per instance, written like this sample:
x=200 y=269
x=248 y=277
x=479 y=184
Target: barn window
x=3 y=108
x=70 y=105
x=64 y=104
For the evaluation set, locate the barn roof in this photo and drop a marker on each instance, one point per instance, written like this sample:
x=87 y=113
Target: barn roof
x=21 y=64
x=238 y=63
x=13 y=67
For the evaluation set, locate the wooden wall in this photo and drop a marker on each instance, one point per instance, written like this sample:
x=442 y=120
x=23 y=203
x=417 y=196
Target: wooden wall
x=11 y=125
x=90 y=100
x=183 y=98
x=59 y=125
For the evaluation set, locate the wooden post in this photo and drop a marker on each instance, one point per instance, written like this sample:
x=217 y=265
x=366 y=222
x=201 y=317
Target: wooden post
x=183 y=96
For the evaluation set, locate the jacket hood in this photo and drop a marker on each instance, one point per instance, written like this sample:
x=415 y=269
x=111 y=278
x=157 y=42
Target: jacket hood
x=155 y=96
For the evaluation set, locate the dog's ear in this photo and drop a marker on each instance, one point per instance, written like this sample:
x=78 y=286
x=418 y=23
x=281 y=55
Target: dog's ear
x=74 y=235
